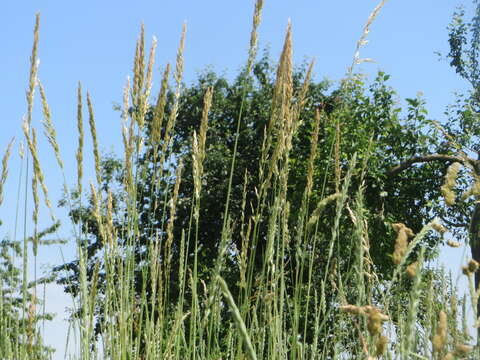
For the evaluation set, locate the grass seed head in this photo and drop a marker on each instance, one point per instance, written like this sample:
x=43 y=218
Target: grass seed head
x=462 y=350
x=33 y=70
x=473 y=266
x=440 y=338
x=381 y=345
x=438 y=227
x=160 y=108
x=375 y=319
x=313 y=152
x=453 y=244
x=448 y=187
x=50 y=132
x=352 y=309
x=93 y=131
x=79 y=155
x=252 y=51
x=412 y=269
x=4 y=175
x=401 y=242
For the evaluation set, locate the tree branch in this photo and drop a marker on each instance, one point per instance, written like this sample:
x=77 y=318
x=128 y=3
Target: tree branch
x=453 y=224
x=423 y=159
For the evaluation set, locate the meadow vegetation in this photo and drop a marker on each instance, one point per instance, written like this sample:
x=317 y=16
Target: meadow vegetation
x=268 y=217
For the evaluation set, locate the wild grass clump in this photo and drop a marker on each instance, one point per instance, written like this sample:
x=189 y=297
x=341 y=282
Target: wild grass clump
x=291 y=274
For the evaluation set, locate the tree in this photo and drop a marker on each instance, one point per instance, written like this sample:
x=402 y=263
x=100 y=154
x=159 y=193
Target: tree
x=460 y=145
x=19 y=332
x=463 y=125
x=354 y=119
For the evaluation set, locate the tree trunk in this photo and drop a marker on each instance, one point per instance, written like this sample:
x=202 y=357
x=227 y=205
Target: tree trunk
x=475 y=247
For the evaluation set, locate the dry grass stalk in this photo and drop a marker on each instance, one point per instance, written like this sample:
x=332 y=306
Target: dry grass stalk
x=252 y=51
x=178 y=78
x=179 y=60
x=109 y=220
x=207 y=103
x=50 y=132
x=127 y=136
x=4 y=175
x=93 y=294
x=320 y=207
x=79 y=155
x=141 y=58
x=135 y=89
x=144 y=97
x=36 y=202
x=300 y=105
x=37 y=171
x=139 y=67
x=279 y=92
x=313 y=152
x=31 y=320
x=281 y=118
x=160 y=109
x=448 y=187
x=21 y=150
x=401 y=242
x=151 y=61
x=362 y=226
x=173 y=210
x=338 y=169
x=198 y=147
x=244 y=235
x=96 y=210
x=238 y=318
x=33 y=70
x=440 y=338
x=93 y=131
x=363 y=38
x=288 y=122
x=196 y=165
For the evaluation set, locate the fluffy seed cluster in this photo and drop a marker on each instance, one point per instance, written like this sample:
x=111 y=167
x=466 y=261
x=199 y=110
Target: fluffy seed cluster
x=375 y=319
x=454 y=244
x=460 y=351
x=381 y=346
x=440 y=338
x=471 y=267
x=474 y=190
x=448 y=187
x=412 y=269
x=401 y=242
x=438 y=227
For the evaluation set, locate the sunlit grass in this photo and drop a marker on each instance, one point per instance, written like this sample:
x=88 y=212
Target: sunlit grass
x=276 y=312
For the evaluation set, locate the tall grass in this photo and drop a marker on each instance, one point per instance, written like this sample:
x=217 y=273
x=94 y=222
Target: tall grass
x=278 y=312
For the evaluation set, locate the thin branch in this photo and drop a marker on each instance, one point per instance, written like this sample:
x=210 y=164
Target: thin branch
x=454 y=224
x=427 y=158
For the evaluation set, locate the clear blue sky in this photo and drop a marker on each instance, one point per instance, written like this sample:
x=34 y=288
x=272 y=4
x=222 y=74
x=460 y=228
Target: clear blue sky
x=93 y=41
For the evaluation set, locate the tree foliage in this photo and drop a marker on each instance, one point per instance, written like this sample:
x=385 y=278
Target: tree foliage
x=356 y=119
x=19 y=317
